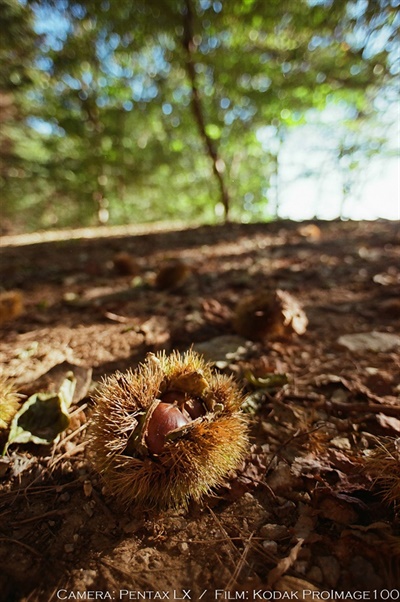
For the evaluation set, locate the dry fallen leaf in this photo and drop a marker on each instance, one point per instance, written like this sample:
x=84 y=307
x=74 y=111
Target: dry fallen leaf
x=248 y=476
x=51 y=381
x=305 y=525
x=388 y=422
x=353 y=385
x=225 y=348
x=284 y=564
x=298 y=589
x=370 y=341
x=340 y=508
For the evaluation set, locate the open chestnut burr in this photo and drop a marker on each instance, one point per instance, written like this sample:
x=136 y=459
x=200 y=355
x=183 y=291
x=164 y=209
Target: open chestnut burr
x=168 y=432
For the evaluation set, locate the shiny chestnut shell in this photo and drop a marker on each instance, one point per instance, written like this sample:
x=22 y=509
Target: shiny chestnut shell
x=164 y=419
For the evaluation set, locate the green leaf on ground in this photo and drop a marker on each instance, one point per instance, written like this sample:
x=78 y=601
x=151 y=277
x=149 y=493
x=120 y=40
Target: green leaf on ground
x=43 y=416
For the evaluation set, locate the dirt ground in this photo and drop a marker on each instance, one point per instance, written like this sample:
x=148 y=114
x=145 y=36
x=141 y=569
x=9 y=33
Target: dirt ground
x=303 y=518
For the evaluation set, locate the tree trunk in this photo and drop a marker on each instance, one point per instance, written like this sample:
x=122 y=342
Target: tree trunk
x=218 y=164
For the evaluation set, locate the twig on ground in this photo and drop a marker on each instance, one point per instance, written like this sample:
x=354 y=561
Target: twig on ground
x=239 y=567
x=22 y=544
x=40 y=517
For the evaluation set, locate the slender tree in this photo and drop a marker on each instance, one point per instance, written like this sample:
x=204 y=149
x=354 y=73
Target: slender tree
x=190 y=47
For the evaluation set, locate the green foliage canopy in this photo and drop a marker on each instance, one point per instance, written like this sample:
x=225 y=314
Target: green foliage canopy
x=109 y=131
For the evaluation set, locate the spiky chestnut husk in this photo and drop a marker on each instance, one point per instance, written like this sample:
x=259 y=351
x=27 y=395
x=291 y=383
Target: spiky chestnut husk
x=9 y=402
x=125 y=264
x=267 y=315
x=189 y=460
x=172 y=274
x=383 y=465
x=11 y=306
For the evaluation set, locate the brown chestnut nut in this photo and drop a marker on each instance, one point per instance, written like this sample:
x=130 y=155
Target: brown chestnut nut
x=164 y=419
x=190 y=406
x=194 y=408
x=176 y=397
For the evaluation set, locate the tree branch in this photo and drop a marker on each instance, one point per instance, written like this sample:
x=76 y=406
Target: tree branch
x=218 y=164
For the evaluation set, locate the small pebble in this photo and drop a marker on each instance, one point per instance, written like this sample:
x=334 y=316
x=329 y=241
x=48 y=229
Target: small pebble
x=274 y=532
x=87 y=488
x=301 y=566
x=88 y=509
x=330 y=568
x=286 y=509
x=270 y=546
x=315 y=574
x=183 y=547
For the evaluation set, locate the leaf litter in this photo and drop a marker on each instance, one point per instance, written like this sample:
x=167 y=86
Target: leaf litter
x=314 y=506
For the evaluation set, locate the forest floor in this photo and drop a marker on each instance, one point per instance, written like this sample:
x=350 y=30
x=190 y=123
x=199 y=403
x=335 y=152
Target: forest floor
x=307 y=520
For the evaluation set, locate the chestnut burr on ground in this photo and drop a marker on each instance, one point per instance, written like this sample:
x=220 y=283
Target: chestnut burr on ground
x=9 y=402
x=267 y=315
x=168 y=432
x=11 y=306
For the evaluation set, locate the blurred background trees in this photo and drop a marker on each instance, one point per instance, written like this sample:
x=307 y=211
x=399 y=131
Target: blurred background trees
x=115 y=111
